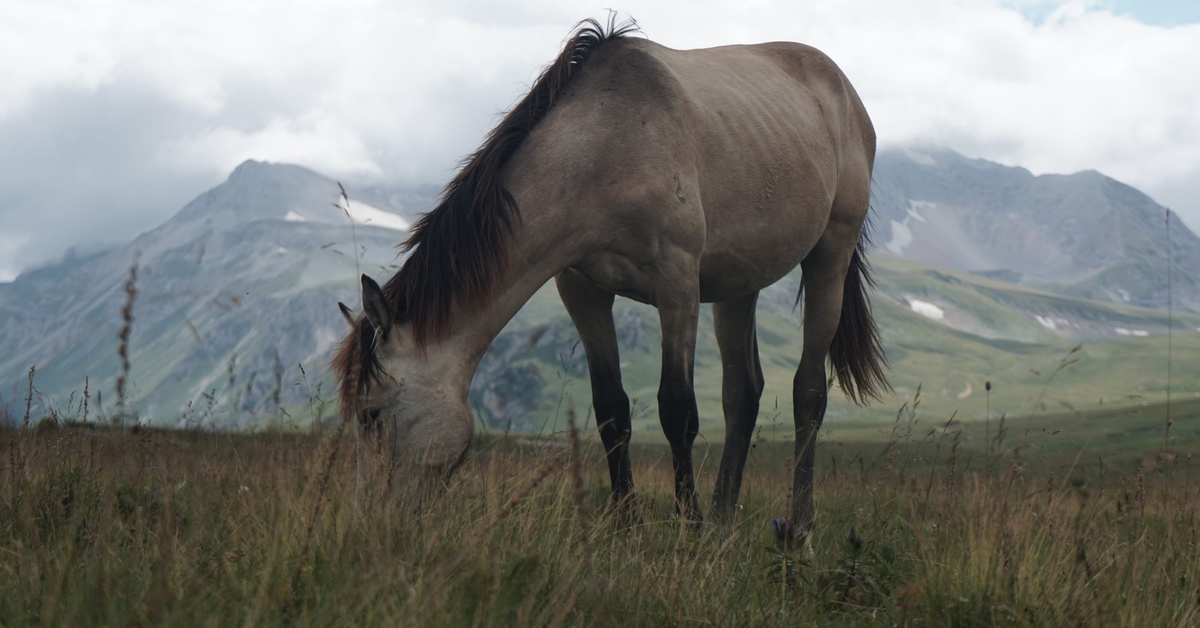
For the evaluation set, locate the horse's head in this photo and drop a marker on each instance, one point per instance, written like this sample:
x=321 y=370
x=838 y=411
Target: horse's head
x=413 y=398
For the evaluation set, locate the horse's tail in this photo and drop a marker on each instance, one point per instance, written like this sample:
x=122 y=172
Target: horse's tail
x=856 y=352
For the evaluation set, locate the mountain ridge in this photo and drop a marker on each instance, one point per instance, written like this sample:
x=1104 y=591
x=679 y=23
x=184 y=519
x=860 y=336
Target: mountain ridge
x=235 y=314
x=209 y=279
x=1084 y=233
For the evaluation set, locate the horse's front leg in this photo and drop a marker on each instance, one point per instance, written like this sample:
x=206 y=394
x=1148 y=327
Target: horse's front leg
x=678 y=301
x=590 y=309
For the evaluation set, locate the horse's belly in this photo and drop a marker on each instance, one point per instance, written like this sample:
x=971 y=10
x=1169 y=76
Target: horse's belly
x=726 y=272
x=731 y=274
x=740 y=255
x=753 y=250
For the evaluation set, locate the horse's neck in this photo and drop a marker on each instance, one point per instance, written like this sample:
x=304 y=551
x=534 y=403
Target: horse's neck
x=534 y=259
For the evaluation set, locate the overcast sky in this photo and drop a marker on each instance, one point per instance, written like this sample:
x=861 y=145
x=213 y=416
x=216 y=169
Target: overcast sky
x=114 y=113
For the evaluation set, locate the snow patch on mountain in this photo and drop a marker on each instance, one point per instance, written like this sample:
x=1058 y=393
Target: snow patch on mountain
x=1053 y=323
x=902 y=234
x=361 y=213
x=365 y=214
x=927 y=309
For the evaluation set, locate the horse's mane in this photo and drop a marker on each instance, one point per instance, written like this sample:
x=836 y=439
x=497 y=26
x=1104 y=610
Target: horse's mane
x=457 y=250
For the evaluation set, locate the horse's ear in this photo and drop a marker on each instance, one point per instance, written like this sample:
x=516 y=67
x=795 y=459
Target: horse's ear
x=375 y=308
x=348 y=314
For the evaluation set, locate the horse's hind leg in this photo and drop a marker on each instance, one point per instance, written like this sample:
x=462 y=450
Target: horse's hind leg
x=741 y=389
x=824 y=278
x=591 y=310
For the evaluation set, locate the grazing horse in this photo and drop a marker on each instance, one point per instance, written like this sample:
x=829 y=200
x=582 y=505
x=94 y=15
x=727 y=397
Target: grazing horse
x=671 y=177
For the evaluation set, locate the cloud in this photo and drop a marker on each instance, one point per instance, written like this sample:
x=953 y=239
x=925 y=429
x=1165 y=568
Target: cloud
x=76 y=169
x=322 y=142
x=10 y=244
x=112 y=115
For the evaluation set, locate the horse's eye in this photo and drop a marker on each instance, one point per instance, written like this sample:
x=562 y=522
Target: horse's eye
x=369 y=416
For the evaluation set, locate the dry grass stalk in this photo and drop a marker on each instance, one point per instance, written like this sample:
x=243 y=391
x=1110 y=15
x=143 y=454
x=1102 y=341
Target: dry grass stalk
x=123 y=335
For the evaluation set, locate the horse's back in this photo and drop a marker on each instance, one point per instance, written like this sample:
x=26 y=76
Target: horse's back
x=738 y=152
x=742 y=93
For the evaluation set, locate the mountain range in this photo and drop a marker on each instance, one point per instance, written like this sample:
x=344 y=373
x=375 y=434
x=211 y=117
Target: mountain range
x=987 y=273
x=1082 y=234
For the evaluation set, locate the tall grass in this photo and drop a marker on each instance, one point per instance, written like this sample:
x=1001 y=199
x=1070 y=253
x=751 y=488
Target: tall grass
x=102 y=526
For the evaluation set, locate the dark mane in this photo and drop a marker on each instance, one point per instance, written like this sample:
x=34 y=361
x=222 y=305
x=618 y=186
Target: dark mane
x=458 y=249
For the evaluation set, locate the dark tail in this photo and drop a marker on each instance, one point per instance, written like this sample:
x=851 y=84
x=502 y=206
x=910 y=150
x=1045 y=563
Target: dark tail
x=856 y=353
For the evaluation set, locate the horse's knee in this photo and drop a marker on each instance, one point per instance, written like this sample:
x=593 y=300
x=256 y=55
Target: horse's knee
x=612 y=409
x=677 y=410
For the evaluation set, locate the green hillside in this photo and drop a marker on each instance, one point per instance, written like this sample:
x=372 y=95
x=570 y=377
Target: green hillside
x=990 y=333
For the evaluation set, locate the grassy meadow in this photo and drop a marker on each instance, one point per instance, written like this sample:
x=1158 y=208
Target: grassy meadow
x=1039 y=521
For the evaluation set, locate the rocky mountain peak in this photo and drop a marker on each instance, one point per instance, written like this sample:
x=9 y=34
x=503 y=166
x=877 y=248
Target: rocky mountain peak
x=1083 y=234
x=260 y=190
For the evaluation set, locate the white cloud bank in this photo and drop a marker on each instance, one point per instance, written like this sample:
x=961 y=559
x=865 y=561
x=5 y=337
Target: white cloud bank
x=377 y=91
